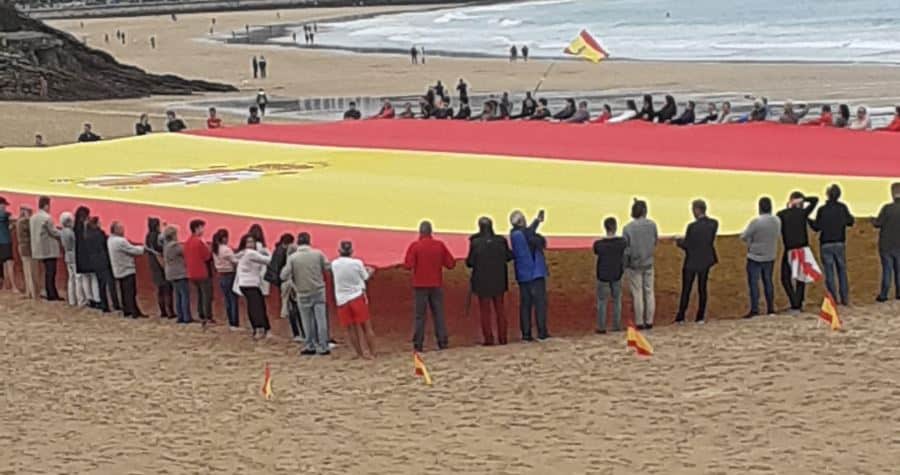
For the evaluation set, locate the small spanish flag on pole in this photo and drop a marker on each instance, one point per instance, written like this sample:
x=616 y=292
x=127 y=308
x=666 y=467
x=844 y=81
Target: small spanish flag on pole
x=829 y=312
x=637 y=341
x=420 y=369
x=585 y=46
x=267 y=384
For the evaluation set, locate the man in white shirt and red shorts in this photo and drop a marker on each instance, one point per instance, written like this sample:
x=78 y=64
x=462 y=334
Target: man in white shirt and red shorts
x=350 y=276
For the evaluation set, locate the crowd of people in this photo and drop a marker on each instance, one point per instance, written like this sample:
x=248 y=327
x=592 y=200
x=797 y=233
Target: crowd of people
x=101 y=269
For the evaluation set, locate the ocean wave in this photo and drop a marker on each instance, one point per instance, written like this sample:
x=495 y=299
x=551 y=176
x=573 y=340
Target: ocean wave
x=455 y=15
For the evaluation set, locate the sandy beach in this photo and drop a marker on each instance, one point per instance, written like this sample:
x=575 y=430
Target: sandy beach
x=184 y=48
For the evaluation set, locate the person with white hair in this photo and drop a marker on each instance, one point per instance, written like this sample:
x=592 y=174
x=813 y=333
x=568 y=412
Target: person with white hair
x=861 y=121
x=67 y=238
x=121 y=257
x=531 y=273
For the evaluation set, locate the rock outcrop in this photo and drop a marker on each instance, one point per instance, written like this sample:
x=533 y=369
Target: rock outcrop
x=38 y=62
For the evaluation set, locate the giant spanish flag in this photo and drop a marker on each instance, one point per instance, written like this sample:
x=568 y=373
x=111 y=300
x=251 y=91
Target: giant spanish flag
x=373 y=181
x=585 y=46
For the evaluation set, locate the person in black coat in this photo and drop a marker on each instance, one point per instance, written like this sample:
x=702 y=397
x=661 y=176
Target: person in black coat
x=567 y=112
x=488 y=258
x=164 y=291
x=98 y=255
x=84 y=273
x=647 y=113
x=699 y=244
x=668 y=111
x=687 y=117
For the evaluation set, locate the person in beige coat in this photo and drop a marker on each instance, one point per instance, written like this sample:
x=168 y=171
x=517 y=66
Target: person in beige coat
x=23 y=238
x=45 y=245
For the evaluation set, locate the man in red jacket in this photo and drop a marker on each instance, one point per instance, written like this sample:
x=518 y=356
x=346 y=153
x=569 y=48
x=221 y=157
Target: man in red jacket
x=427 y=257
x=198 y=260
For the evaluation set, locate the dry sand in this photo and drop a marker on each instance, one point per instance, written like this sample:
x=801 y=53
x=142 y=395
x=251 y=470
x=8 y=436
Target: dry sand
x=185 y=49
x=100 y=395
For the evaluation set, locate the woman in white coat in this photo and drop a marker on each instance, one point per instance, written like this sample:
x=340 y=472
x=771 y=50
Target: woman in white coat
x=247 y=282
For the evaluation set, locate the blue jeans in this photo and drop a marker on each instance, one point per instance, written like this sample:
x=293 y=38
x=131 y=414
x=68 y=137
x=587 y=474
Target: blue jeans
x=604 y=291
x=533 y=295
x=226 y=282
x=182 y=300
x=315 y=321
x=890 y=265
x=834 y=257
x=755 y=272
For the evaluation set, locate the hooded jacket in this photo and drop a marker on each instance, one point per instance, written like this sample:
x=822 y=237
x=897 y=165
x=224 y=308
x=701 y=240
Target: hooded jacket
x=488 y=258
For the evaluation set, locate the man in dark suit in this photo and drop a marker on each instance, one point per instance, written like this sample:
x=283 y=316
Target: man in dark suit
x=699 y=244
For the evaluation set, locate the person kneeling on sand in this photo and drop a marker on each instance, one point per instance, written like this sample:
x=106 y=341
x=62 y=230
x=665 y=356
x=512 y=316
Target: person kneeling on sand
x=350 y=276
x=213 y=121
x=464 y=112
x=386 y=111
x=173 y=123
x=352 y=113
x=254 y=118
x=88 y=135
x=581 y=116
x=407 y=112
x=630 y=113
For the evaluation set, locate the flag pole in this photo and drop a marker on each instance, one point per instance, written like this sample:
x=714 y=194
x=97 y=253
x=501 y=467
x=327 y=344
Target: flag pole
x=544 y=77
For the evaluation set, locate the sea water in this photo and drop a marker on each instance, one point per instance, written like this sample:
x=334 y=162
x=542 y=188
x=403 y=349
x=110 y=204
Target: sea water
x=716 y=30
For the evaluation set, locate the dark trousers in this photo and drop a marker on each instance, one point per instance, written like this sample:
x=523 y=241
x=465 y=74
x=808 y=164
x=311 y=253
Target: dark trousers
x=226 y=282
x=533 y=296
x=433 y=298
x=107 y=286
x=128 y=289
x=295 y=320
x=755 y=272
x=796 y=291
x=487 y=324
x=50 y=278
x=256 y=308
x=204 y=298
x=165 y=298
x=687 y=284
x=890 y=265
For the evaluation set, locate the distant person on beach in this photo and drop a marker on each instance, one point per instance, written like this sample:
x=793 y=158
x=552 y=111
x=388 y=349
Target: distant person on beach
x=525 y=53
x=832 y=220
x=213 y=121
x=263 y=67
x=894 y=126
x=464 y=112
x=306 y=36
x=725 y=116
x=699 y=245
x=39 y=140
x=529 y=105
x=350 y=276
x=121 y=255
x=152 y=42
x=253 y=118
x=488 y=110
x=254 y=63
x=888 y=224
x=794 y=222
x=439 y=89
x=641 y=237
x=505 y=106
x=294 y=37
x=88 y=134
x=312 y=38
x=531 y=273
x=143 y=127
x=262 y=101
x=43 y=86
x=407 y=112
x=581 y=116
x=176 y=273
x=306 y=269
x=604 y=116
x=761 y=237
x=423 y=55
x=443 y=110
x=567 y=112
x=668 y=111
x=426 y=258
x=488 y=257
x=647 y=112
x=174 y=18
x=463 y=90
x=352 y=113
x=29 y=266
x=198 y=262
x=687 y=116
x=630 y=113
x=386 y=111
x=861 y=121
x=173 y=123
x=541 y=112
x=825 y=118
x=513 y=54
x=106 y=38
x=610 y=252
x=45 y=244
x=153 y=243
x=712 y=114
x=7 y=262
x=843 y=118
x=414 y=55
x=790 y=116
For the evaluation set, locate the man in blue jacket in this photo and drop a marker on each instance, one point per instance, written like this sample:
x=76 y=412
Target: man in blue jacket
x=531 y=273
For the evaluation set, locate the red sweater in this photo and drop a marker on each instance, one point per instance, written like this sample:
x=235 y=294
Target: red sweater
x=894 y=126
x=825 y=120
x=196 y=258
x=425 y=258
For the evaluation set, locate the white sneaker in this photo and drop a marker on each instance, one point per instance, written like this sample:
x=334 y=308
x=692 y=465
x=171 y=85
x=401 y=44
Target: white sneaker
x=269 y=336
x=298 y=339
x=332 y=346
x=235 y=329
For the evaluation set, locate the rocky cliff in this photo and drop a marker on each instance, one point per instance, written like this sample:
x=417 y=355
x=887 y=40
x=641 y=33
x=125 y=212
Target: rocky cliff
x=38 y=62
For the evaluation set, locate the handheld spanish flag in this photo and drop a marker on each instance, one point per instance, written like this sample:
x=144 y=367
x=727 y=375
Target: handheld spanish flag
x=585 y=46
x=267 y=384
x=637 y=341
x=420 y=368
x=829 y=312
